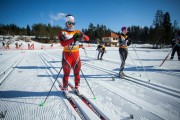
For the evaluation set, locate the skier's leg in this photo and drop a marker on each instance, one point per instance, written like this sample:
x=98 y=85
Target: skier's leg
x=102 y=53
x=99 y=52
x=66 y=63
x=178 y=53
x=125 y=54
x=66 y=70
x=77 y=69
x=122 y=56
x=173 y=52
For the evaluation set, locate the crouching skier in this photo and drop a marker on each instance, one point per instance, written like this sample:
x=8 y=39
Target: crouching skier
x=101 y=50
x=69 y=39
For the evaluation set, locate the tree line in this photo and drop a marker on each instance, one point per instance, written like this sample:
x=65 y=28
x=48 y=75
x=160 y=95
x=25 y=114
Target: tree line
x=159 y=33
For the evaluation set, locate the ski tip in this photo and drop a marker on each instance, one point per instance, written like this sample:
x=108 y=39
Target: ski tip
x=42 y=104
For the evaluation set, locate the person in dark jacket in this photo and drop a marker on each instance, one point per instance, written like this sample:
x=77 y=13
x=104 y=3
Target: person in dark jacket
x=176 y=47
x=124 y=42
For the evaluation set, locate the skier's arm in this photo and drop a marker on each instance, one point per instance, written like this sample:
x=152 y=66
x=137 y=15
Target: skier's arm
x=64 y=42
x=84 y=37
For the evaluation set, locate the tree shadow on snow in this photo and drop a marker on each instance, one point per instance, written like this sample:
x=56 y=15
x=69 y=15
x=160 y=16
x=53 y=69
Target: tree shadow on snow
x=9 y=95
x=148 y=68
x=154 y=60
x=72 y=76
x=150 y=59
x=34 y=67
x=174 y=72
x=17 y=94
x=54 y=62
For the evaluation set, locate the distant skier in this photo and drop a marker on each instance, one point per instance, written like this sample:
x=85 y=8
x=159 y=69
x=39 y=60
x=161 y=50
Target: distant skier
x=176 y=47
x=3 y=44
x=69 y=39
x=124 y=42
x=101 y=50
x=16 y=45
x=29 y=46
x=7 y=45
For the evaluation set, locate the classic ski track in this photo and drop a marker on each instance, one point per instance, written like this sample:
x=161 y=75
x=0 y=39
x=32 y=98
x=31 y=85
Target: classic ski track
x=10 y=64
x=131 y=101
x=9 y=70
x=135 y=99
x=155 y=87
x=79 y=110
x=163 y=89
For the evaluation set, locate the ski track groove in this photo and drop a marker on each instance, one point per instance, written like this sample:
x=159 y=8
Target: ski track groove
x=9 y=70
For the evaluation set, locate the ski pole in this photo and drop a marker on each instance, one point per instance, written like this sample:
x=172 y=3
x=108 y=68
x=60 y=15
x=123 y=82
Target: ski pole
x=135 y=64
x=141 y=64
x=86 y=54
x=43 y=103
x=167 y=56
x=85 y=78
x=88 y=85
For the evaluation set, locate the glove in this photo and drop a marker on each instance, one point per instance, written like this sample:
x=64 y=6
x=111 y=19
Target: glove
x=77 y=37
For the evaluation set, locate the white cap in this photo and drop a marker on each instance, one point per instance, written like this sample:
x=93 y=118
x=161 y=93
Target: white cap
x=69 y=18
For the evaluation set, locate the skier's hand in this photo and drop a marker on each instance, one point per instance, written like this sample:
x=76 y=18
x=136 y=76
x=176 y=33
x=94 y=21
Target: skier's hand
x=77 y=37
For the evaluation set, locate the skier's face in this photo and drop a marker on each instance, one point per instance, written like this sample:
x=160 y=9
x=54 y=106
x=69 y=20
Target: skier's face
x=125 y=31
x=70 y=24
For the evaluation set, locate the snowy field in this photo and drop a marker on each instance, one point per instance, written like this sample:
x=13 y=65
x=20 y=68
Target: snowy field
x=26 y=77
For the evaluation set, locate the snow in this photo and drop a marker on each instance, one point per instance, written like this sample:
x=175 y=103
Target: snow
x=26 y=77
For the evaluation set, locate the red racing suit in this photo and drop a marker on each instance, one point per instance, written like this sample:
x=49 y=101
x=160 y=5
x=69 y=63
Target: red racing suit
x=71 y=58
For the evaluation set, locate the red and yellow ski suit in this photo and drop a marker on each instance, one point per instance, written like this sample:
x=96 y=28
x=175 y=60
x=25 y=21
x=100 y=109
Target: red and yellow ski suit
x=71 y=58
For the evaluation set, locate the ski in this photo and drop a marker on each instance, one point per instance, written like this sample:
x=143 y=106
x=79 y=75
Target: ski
x=125 y=77
x=75 y=91
x=67 y=96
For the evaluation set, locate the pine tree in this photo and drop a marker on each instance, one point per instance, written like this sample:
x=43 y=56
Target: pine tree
x=28 y=30
x=166 y=28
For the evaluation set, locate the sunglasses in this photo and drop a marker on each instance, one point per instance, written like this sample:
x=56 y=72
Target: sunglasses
x=70 y=23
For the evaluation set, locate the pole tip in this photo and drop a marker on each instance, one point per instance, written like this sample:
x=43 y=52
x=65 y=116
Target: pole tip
x=131 y=116
x=42 y=104
x=94 y=98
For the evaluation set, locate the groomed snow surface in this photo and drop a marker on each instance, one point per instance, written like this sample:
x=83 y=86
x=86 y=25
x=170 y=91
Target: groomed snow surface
x=26 y=77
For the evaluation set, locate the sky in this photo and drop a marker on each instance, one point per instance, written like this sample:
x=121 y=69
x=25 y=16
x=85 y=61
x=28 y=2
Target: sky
x=112 y=13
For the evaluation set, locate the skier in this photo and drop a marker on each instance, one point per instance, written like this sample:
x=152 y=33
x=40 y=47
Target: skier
x=175 y=47
x=101 y=50
x=3 y=44
x=69 y=39
x=124 y=42
x=16 y=45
